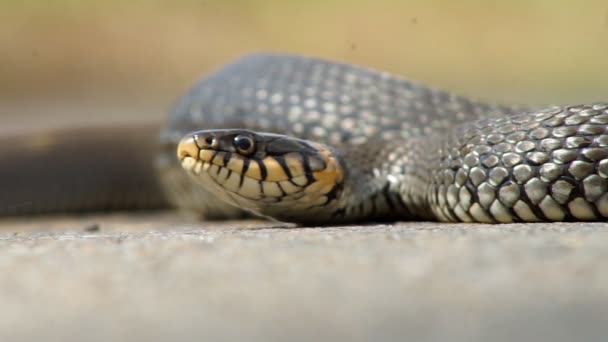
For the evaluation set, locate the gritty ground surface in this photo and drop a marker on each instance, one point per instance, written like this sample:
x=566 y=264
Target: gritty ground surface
x=157 y=277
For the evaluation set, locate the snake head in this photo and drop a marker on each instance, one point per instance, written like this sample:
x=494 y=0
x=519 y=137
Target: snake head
x=271 y=175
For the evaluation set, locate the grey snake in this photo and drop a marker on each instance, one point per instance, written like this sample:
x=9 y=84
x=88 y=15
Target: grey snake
x=311 y=141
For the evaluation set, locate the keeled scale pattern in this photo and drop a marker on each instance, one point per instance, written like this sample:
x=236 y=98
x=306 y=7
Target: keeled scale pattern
x=547 y=165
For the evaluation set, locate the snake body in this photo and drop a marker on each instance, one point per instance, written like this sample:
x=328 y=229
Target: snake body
x=312 y=141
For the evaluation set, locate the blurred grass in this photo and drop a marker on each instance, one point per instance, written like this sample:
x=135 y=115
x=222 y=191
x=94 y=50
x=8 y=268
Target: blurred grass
x=524 y=51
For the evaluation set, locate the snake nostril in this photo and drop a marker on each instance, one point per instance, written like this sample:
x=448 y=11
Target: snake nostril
x=187 y=148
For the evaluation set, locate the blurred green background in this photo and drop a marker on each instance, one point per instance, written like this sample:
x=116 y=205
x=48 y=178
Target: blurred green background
x=114 y=59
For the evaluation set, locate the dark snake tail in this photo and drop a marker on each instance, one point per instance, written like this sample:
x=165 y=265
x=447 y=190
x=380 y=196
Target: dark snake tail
x=80 y=170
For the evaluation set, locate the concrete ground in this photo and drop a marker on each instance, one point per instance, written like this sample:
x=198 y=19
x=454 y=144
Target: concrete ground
x=158 y=277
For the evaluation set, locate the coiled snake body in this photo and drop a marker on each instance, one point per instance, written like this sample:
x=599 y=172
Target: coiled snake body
x=304 y=140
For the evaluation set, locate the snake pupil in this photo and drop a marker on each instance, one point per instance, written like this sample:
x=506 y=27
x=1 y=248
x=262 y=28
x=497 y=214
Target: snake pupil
x=243 y=144
x=209 y=139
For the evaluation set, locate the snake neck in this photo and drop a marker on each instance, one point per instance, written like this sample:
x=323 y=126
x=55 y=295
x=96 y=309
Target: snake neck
x=405 y=177
x=386 y=180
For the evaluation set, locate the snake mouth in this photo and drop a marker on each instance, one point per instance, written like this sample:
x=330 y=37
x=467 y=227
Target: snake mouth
x=262 y=172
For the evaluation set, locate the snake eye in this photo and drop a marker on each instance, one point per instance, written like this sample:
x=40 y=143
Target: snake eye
x=244 y=144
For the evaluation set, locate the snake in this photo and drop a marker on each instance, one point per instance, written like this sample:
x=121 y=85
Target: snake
x=318 y=142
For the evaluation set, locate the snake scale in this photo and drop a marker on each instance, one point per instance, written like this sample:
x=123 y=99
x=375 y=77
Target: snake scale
x=311 y=141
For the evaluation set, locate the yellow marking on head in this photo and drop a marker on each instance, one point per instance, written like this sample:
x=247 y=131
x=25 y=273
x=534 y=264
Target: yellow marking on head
x=319 y=188
x=278 y=191
x=205 y=155
x=232 y=183
x=213 y=169
x=275 y=171
x=289 y=188
x=326 y=179
x=197 y=167
x=300 y=180
x=294 y=164
x=188 y=163
x=272 y=189
x=236 y=164
x=319 y=201
x=254 y=171
x=219 y=158
x=304 y=202
x=221 y=176
x=187 y=148
x=250 y=189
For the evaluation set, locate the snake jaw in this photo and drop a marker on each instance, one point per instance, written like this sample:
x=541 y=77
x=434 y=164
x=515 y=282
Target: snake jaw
x=187 y=148
x=276 y=180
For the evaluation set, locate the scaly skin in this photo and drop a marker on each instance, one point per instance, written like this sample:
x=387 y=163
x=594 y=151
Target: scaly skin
x=408 y=151
x=394 y=149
